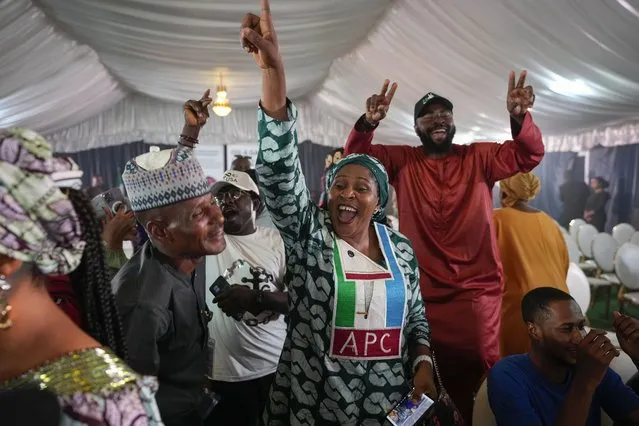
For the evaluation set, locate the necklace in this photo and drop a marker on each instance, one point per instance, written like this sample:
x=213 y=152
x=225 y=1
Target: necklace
x=369 y=289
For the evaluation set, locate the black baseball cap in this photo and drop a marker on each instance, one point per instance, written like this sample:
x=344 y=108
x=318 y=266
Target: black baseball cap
x=428 y=99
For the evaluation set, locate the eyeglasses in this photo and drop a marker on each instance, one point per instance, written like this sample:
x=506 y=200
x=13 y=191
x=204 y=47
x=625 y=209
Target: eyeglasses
x=446 y=115
x=234 y=195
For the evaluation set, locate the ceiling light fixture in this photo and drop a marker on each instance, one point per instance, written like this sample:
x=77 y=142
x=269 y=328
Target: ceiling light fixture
x=222 y=105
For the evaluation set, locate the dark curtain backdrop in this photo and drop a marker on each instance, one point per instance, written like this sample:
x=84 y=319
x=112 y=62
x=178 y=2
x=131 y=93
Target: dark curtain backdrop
x=109 y=162
x=312 y=157
x=551 y=174
x=620 y=167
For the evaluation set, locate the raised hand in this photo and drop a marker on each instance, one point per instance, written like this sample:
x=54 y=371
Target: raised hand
x=519 y=98
x=594 y=354
x=378 y=104
x=258 y=37
x=197 y=112
x=627 y=329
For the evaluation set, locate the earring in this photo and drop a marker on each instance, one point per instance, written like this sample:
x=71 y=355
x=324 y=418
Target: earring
x=5 y=308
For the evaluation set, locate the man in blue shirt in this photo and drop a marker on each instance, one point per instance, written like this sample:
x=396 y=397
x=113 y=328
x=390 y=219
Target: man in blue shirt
x=565 y=379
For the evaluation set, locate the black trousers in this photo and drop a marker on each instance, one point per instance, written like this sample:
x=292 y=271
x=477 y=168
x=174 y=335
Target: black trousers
x=241 y=403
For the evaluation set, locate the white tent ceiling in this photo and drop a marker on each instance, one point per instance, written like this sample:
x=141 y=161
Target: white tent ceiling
x=97 y=72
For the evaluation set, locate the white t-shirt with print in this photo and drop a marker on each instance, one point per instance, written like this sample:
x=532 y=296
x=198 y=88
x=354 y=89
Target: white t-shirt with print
x=245 y=352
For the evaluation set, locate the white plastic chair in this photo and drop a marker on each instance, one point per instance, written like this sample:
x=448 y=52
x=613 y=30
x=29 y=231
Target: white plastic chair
x=578 y=287
x=622 y=233
x=574 y=226
x=573 y=251
x=482 y=413
x=585 y=234
x=604 y=248
x=627 y=269
x=635 y=238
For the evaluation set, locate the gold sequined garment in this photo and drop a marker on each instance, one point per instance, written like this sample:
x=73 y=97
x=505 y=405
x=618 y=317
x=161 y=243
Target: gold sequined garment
x=95 y=371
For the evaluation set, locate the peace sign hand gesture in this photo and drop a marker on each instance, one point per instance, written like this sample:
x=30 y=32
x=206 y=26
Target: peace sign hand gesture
x=378 y=104
x=519 y=98
x=196 y=113
x=258 y=37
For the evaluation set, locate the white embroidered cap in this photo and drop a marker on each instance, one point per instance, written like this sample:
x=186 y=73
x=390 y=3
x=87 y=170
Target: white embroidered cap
x=161 y=178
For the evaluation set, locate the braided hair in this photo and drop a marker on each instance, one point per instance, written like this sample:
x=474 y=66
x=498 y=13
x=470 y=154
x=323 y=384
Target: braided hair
x=90 y=281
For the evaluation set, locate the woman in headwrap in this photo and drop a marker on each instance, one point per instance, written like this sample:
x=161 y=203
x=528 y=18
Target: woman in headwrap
x=533 y=254
x=357 y=336
x=41 y=233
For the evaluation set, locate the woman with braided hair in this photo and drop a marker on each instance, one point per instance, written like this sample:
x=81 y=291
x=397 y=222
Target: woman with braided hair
x=42 y=232
x=86 y=294
x=90 y=281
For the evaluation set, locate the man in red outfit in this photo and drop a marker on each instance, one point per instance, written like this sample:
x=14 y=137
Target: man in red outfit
x=444 y=194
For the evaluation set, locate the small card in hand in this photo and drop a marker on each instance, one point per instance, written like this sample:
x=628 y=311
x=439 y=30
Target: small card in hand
x=220 y=285
x=409 y=412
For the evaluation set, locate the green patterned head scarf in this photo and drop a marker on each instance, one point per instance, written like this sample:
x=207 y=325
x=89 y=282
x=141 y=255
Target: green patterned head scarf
x=37 y=221
x=378 y=171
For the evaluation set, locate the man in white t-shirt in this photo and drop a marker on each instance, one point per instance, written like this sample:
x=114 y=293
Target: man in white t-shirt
x=248 y=318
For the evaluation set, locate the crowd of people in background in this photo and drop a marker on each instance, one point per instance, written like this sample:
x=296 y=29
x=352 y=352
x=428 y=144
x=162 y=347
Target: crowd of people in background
x=246 y=302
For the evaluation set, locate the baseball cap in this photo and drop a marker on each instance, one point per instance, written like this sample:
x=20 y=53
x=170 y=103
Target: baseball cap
x=237 y=179
x=430 y=98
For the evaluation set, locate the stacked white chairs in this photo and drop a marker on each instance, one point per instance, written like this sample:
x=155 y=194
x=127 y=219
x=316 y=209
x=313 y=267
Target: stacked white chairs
x=635 y=238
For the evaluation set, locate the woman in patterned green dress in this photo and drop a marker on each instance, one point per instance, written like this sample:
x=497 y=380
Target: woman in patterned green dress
x=357 y=331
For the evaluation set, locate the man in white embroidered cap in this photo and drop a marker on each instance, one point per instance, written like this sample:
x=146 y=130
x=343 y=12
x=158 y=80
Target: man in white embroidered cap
x=162 y=305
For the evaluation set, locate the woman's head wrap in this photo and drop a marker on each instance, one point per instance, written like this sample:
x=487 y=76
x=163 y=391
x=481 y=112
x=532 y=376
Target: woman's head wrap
x=37 y=221
x=520 y=187
x=378 y=171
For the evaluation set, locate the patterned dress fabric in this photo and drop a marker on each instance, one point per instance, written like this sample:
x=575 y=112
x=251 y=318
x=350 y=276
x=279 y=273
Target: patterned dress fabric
x=95 y=387
x=311 y=387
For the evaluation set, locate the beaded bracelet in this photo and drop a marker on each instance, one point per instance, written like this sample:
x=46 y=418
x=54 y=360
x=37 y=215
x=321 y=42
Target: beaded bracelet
x=190 y=141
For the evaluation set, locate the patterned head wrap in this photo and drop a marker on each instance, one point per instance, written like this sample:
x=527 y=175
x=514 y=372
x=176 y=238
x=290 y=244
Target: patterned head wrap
x=378 y=171
x=521 y=187
x=37 y=221
x=162 y=178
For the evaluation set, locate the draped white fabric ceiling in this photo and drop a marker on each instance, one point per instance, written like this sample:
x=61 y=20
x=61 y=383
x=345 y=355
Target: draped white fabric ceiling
x=96 y=72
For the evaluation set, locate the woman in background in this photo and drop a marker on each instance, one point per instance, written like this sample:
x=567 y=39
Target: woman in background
x=533 y=254
x=41 y=234
x=595 y=210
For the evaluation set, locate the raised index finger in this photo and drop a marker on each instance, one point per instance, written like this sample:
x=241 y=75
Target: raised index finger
x=265 y=14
